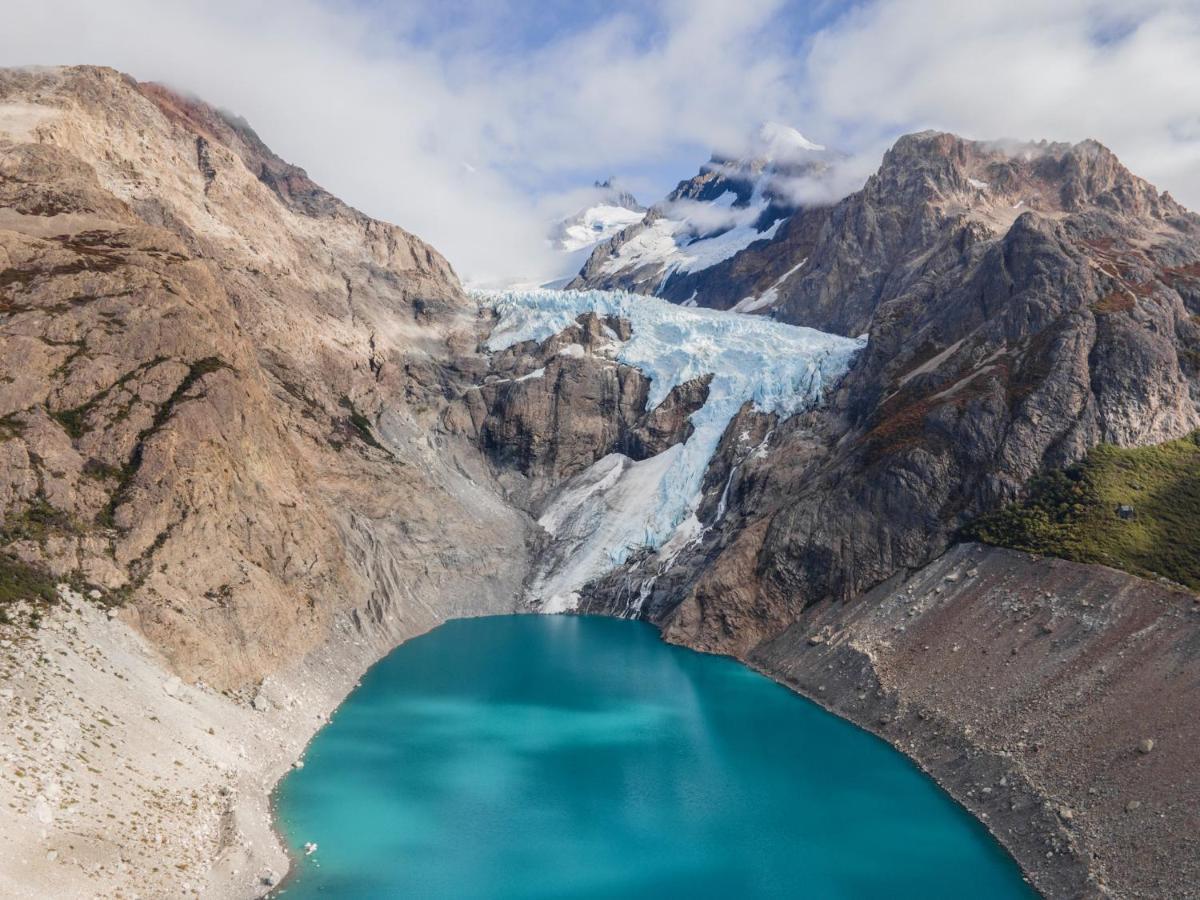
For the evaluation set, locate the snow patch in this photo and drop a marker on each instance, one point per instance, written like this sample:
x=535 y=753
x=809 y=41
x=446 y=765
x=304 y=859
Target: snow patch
x=595 y=224
x=753 y=304
x=770 y=296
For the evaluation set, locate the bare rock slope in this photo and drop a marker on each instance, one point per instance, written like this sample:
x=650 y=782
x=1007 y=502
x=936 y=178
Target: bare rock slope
x=217 y=386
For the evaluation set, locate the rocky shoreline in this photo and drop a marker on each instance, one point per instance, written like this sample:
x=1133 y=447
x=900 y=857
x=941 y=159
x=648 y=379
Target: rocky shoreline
x=1070 y=789
x=131 y=783
x=190 y=794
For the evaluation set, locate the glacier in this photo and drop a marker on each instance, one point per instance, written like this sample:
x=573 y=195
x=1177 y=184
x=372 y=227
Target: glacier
x=618 y=505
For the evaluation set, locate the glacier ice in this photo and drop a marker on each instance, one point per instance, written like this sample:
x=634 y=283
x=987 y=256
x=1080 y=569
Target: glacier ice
x=618 y=505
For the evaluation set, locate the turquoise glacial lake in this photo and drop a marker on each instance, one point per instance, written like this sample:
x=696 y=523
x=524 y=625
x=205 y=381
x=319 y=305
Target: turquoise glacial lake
x=566 y=757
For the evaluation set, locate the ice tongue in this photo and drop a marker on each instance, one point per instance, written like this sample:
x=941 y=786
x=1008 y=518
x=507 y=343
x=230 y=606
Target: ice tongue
x=617 y=505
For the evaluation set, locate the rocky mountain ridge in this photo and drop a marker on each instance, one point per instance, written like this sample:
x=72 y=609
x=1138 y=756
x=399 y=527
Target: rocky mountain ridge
x=731 y=204
x=190 y=340
x=218 y=387
x=996 y=349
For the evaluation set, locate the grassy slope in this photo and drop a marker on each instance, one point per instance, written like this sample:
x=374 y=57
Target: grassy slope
x=1073 y=513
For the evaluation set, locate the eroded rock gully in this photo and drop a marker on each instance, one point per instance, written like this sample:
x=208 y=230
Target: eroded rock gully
x=254 y=430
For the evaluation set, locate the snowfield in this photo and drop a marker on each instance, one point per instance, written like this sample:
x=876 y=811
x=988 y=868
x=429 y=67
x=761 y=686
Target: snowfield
x=618 y=506
x=671 y=244
x=595 y=224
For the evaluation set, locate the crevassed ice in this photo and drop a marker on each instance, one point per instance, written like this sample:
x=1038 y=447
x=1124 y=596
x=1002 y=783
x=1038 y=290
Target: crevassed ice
x=619 y=506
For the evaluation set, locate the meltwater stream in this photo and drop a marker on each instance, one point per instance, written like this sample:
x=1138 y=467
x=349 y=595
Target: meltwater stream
x=565 y=757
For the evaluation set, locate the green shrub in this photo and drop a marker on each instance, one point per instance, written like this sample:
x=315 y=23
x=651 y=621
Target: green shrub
x=1073 y=513
x=37 y=522
x=22 y=581
x=361 y=425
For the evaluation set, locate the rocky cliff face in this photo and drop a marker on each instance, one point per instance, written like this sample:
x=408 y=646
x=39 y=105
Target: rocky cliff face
x=1002 y=340
x=549 y=410
x=219 y=389
x=216 y=377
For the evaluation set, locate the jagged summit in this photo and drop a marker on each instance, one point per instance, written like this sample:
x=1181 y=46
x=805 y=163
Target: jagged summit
x=731 y=203
x=616 y=195
x=1051 y=178
x=610 y=208
x=932 y=179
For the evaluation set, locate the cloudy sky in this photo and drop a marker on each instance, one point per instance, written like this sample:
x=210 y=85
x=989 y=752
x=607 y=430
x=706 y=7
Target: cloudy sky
x=474 y=122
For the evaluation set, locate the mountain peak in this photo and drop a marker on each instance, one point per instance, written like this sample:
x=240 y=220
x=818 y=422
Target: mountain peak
x=1051 y=177
x=777 y=142
x=612 y=193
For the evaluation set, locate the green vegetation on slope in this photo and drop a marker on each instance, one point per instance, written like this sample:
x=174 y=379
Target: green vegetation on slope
x=1074 y=514
x=21 y=581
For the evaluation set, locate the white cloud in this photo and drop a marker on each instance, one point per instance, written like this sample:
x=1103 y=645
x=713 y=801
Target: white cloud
x=436 y=135
x=1126 y=72
x=433 y=122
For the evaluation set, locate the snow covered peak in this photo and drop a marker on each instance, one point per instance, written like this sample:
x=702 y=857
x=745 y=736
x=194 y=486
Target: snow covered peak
x=610 y=209
x=732 y=204
x=783 y=144
x=590 y=226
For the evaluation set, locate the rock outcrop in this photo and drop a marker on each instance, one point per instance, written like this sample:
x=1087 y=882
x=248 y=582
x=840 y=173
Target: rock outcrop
x=550 y=410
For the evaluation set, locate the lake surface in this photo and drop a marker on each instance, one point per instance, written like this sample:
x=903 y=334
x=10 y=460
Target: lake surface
x=567 y=757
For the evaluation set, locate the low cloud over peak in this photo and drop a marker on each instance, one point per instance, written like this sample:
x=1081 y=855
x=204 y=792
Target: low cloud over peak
x=472 y=124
